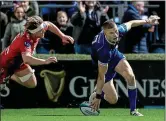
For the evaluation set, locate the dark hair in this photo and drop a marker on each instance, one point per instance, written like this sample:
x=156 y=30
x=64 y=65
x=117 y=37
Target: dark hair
x=109 y=24
x=33 y=22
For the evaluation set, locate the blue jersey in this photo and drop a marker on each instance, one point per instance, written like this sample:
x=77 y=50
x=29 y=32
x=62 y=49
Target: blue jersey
x=103 y=53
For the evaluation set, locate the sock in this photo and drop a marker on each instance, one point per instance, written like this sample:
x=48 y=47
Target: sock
x=132 y=92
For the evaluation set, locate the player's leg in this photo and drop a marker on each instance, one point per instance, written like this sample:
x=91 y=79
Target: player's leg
x=109 y=93
x=25 y=76
x=124 y=69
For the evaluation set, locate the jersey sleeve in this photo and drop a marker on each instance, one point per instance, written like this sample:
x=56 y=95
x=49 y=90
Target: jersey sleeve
x=101 y=55
x=122 y=29
x=103 y=58
x=25 y=47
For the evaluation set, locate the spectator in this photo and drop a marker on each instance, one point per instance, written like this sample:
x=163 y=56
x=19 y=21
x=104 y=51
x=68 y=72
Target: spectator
x=3 y=23
x=69 y=10
x=30 y=10
x=35 y=6
x=15 y=26
x=87 y=23
x=136 y=38
x=56 y=46
x=157 y=42
x=3 y=18
x=50 y=13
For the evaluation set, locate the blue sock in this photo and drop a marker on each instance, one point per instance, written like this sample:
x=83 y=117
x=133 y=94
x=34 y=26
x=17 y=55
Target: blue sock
x=132 y=98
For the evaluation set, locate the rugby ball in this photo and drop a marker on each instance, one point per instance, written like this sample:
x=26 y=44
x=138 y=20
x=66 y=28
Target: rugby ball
x=87 y=110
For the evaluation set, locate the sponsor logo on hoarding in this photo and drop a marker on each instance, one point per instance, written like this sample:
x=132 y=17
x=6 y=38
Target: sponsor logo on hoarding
x=149 y=88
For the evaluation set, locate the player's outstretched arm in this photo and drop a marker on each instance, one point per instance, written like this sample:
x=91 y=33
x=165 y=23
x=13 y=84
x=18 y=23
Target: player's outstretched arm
x=102 y=69
x=153 y=20
x=28 y=59
x=65 y=38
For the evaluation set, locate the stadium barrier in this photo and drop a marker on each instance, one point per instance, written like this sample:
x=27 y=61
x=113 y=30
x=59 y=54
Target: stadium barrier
x=73 y=79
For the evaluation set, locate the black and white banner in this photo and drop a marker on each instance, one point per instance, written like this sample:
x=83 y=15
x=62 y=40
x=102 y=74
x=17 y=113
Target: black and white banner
x=79 y=80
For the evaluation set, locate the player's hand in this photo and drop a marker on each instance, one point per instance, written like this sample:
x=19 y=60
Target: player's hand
x=153 y=19
x=51 y=60
x=67 y=39
x=95 y=104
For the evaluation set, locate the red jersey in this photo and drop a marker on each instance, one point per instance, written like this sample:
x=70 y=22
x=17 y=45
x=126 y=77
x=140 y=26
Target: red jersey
x=21 y=44
x=11 y=58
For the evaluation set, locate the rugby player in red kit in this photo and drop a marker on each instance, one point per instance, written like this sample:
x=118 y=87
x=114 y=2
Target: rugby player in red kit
x=16 y=59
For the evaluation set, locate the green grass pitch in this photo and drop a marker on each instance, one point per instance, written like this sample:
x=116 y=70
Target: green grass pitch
x=70 y=114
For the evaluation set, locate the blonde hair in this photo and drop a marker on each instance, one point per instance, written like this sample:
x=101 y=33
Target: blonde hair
x=33 y=22
x=109 y=24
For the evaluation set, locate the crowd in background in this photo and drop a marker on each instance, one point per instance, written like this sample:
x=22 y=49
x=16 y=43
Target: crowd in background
x=82 y=21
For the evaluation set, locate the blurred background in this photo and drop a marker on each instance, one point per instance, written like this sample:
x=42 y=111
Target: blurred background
x=73 y=77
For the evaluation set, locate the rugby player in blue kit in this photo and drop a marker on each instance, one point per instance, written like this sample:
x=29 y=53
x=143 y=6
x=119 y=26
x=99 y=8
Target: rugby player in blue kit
x=110 y=61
